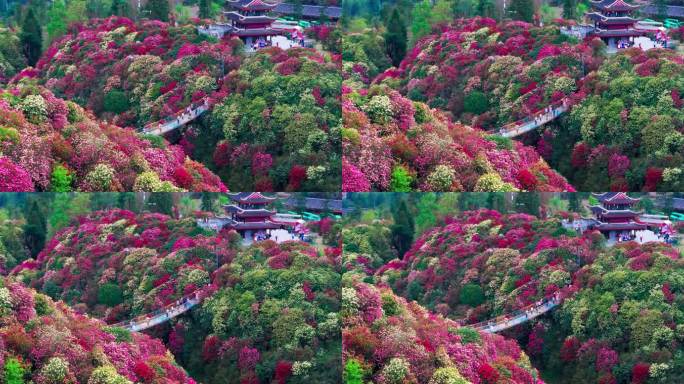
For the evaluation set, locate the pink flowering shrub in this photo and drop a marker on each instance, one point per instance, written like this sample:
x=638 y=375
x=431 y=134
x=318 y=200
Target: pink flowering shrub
x=13 y=178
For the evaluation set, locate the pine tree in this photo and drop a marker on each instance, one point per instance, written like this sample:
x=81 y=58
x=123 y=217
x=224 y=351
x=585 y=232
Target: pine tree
x=161 y=202
x=205 y=9
x=485 y=8
x=403 y=228
x=529 y=203
x=159 y=9
x=31 y=37
x=569 y=9
x=120 y=8
x=208 y=200
x=661 y=8
x=35 y=228
x=574 y=203
x=395 y=38
x=522 y=10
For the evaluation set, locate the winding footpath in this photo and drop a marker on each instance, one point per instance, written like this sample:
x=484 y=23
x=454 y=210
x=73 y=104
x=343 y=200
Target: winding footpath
x=178 y=120
x=530 y=123
x=163 y=315
x=502 y=323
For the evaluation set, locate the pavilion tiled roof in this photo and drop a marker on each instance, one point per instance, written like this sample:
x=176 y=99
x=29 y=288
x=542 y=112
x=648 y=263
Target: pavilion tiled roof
x=253 y=5
x=250 y=19
x=251 y=197
x=615 y=198
x=611 y=19
x=613 y=5
x=613 y=213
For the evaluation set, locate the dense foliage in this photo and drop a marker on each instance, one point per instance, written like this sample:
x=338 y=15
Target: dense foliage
x=388 y=340
x=135 y=73
x=489 y=74
x=44 y=342
x=623 y=323
x=11 y=58
x=279 y=127
x=393 y=143
x=626 y=134
x=48 y=144
x=274 y=318
x=116 y=265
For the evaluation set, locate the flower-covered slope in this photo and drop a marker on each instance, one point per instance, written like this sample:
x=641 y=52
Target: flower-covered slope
x=482 y=264
x=48 y=144
x=134 y=73
x=392 y=143
x=490 y=74
x=270 y=313
x=48 y=343
x=620 y=317
x=116 y=265
x=628 y=132
x=388 y=340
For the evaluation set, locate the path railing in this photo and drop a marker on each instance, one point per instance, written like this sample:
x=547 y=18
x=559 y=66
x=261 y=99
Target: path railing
x=181 y=118
x=530 y=123
x=162 y=315
x=520 y=316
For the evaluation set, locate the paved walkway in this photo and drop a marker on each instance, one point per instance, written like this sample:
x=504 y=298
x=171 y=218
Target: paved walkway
x=163 y=315
x=521 y=316
x=178 y=120
x=527 y=124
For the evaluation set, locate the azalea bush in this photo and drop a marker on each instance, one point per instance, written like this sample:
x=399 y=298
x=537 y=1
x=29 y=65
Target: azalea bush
x=49 y=144
x=47 y=342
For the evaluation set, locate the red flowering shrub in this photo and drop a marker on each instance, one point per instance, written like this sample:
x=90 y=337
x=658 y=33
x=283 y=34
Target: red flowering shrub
x=283 y=370
x=295 y=178
x=569 y=349
x=144 y=372
x=210 y=350
x=640 y=373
